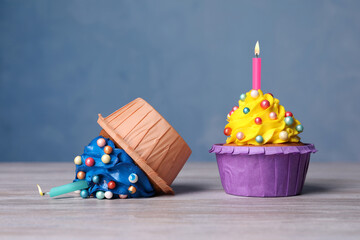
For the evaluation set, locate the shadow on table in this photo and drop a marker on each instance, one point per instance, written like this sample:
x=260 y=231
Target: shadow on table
x=315 y=188
x=188 y=188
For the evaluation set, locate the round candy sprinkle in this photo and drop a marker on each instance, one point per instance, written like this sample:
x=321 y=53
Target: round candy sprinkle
x=235 y=108
x=254 y=93
x=111 y=185
x=231 y=112
x=265 y=104
x=288 y=114
x=108 y=195
x=133 y=178
x=299 y=128
x=105 y=158
x=89 y=162
x=108 y=149
x=271 y=94
x=243 y=97
x=283 y=135
x=258 y=121
x=100 y=194
x=84 y=193
x=81 y=175
x=227 y=131
x=240 y=135
x=77 y=160
x=123 y=196
x=96 y=179
x=101 y=142
x=259 y=139
x=228 y=116
x=289 y=121
x=132 y=189
x=246 y=110
x=272 y=115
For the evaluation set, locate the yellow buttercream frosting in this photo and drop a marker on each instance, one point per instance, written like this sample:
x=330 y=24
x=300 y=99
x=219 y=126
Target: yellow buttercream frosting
x=272 y=127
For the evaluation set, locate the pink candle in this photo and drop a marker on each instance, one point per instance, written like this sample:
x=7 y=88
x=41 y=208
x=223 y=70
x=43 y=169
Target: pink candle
x=257 y=68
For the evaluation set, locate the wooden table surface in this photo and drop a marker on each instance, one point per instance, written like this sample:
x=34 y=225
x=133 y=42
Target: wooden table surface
x=329 y=208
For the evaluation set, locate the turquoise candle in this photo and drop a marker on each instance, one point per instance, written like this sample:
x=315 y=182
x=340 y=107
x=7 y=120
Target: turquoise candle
x=71 y=187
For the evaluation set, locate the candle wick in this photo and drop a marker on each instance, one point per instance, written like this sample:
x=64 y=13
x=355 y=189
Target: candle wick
x=256 y=55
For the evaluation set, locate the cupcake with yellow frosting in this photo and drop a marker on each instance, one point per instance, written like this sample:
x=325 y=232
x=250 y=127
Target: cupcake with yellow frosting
x=263 y=155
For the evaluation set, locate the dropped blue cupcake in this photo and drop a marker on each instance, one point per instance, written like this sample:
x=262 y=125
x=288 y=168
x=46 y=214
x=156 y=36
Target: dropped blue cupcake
x=110 y=172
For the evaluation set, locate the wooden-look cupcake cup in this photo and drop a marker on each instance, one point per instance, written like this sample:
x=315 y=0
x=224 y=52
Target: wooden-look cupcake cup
x=150 y=140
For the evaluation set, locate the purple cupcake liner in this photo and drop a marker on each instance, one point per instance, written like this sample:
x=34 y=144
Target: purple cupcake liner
x=263 y=171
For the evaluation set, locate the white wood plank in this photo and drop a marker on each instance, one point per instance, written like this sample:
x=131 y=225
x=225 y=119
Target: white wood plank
x=329 y=208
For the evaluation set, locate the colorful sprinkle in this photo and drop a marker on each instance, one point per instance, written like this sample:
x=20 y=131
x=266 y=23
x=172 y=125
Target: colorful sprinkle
x=123 y=196
x=299 y=128
x=105 y=158
x=77 y=160
x=288 y=114
x=272 y=115
x=133 y=178
x=96 y=179
x=246 y=110
x=235 y=108
x=84 y=193
x=101 y=142
x=259 y=139
x=289 y=121
x=271 y=94
x=240 y=135
x=231 y=112
x=132 y=189
x=108 y=195
x=81 y=175
x=108 y=149
x=227 y=131
x=265 y=104
x=258 y=121
x=254 y=93
x=100 y=195
x=243 y=97
x=111 y=185
x=89 y=162
x=283 y=135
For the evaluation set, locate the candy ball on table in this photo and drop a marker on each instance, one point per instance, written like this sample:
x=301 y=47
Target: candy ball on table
x=108 y=195
x=84 y=193
x=100 y=194
x=123 y=196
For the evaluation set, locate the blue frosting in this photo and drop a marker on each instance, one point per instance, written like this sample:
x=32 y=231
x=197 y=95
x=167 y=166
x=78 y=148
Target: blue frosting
x=118 y=170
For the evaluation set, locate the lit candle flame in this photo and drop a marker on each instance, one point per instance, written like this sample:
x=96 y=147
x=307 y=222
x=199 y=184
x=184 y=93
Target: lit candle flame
x=257 y=49
x=40 y=191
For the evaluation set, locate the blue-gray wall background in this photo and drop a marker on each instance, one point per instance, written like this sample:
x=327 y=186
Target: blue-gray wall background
x=63 y=62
